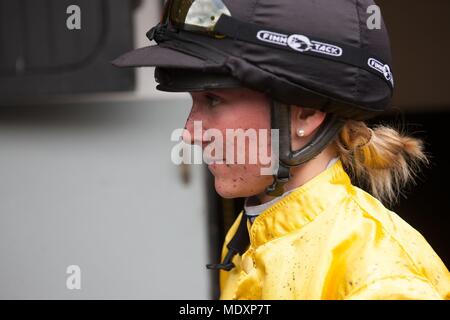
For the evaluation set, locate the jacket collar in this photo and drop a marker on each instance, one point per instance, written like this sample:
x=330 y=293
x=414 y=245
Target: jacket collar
x=301 y=206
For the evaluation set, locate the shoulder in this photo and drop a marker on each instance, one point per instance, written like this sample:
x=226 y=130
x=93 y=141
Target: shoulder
x=386 y=249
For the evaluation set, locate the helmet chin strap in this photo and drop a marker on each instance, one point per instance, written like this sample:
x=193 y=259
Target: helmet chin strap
x=288 y=158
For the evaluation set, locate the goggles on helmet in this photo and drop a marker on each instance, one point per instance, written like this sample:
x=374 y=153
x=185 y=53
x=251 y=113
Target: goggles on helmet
x=199 y=16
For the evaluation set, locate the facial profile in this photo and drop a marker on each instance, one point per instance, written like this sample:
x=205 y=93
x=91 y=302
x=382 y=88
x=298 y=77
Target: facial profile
x=238 y=110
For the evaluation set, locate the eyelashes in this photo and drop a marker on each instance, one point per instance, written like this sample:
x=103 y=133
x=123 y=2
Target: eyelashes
x=213 y=100
x=208 y=99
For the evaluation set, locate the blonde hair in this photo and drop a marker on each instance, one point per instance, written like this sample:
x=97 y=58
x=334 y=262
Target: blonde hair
x=381 y=160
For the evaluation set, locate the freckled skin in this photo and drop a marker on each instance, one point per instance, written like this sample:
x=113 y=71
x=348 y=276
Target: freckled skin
x=239 y=108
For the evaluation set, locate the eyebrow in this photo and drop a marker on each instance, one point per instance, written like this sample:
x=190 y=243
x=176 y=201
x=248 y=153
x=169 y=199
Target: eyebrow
x=214 y=94
x=210 y=93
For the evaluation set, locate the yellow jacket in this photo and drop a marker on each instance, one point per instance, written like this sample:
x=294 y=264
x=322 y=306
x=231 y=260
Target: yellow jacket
x=331 y=240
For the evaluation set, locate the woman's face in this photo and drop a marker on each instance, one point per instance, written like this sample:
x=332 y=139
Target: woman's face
x=239 y=108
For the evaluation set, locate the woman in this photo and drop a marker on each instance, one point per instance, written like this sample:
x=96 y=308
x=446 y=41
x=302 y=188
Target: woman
x=312 y=72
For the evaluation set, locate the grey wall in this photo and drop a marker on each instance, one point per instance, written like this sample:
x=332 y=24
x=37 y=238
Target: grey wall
x=93 y=185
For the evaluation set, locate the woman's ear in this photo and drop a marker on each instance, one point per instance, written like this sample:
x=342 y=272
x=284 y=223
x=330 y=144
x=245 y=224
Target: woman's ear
x=304 y=123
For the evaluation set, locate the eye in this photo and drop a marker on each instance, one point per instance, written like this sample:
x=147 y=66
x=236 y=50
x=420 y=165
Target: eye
x=213 y=100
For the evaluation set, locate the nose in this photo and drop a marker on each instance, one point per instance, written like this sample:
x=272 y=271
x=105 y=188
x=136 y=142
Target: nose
x=187 y=136
x=194 y=119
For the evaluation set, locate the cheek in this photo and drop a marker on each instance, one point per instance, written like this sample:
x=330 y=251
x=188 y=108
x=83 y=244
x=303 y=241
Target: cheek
x=251 y=118
x=243 y=114
x=255 y=123
x=242 y=180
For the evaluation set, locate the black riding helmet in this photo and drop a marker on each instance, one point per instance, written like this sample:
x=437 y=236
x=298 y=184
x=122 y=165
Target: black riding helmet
x=318 y=54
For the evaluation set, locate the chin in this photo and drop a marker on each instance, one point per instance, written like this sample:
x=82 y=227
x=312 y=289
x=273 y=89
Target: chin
x=228 y=191
x=231 y=190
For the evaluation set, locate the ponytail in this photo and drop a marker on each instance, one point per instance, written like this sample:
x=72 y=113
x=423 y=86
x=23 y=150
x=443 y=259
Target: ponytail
x=381 y=160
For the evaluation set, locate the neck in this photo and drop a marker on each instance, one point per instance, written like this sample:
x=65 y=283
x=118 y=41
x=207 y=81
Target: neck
x=305 y=172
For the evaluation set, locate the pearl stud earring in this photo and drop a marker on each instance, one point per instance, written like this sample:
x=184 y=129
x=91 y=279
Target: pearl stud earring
x=300 y=132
